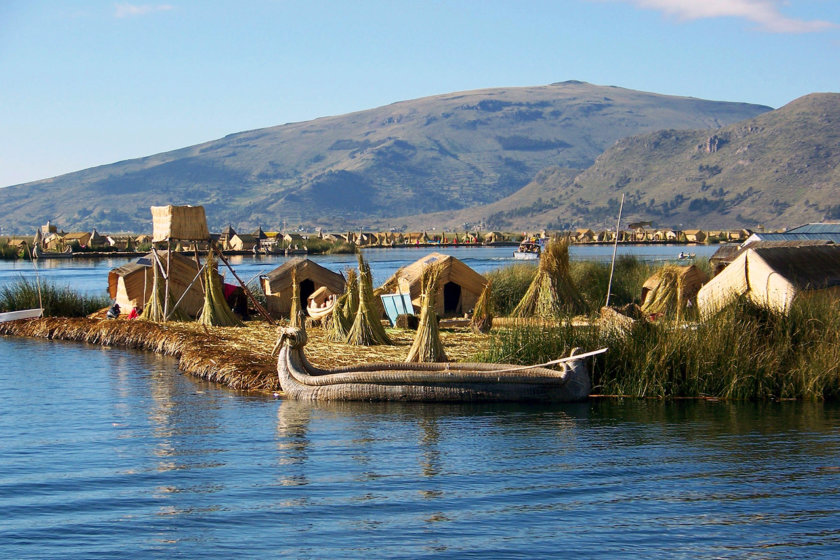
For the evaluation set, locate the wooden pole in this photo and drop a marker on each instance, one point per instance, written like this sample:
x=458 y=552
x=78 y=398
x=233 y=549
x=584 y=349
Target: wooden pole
x=168 y=268
x=615 y=249
x=248 y=293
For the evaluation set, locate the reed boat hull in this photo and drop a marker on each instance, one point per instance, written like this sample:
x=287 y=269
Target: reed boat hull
x=425 y=382
x=21 y=314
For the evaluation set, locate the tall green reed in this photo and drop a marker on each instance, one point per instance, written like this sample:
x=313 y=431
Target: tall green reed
x=58 y=301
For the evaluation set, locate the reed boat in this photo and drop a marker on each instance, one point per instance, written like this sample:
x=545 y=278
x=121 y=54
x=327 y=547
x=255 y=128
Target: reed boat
x=38 y=253
x=21 y=314
x=427 y=382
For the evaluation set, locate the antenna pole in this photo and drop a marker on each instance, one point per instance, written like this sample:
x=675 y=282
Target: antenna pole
x=615 y=249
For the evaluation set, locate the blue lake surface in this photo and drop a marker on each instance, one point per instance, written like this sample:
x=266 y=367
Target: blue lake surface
x=91 y=275
x=112 y=453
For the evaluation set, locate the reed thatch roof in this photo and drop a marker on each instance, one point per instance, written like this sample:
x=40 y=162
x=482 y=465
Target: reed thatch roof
x=459 y=288
x=183 y=223
x=774 y=277
x=130 y=285
x=277 y=284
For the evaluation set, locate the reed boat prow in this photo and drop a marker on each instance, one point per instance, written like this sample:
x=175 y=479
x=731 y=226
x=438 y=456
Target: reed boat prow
x=427 y=382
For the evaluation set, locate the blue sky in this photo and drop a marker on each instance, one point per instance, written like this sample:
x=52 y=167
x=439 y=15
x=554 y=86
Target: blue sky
x=85 y=83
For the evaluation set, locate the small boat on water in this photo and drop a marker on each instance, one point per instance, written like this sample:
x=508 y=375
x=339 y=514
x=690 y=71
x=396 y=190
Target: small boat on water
x=21 y=314
x=428 y=382
x=683 y=256
x=38 y=253
x=528 y=250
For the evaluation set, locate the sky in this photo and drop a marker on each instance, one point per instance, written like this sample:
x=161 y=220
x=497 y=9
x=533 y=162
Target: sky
x=86 y=83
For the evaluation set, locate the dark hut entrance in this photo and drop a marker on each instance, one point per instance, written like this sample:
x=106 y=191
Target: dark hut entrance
x=451 y=297
x=307 y=288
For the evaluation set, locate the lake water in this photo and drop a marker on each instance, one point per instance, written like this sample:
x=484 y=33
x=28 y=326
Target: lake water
x=111 y=453
x=91 y=275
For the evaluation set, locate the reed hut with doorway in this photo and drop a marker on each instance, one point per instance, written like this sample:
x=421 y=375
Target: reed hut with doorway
x=309 y=275
x=131 y=284
x=774 y=277
x=458 y=290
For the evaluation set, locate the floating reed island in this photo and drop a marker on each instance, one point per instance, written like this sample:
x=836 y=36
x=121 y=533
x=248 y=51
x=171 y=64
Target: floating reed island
x=238 y=357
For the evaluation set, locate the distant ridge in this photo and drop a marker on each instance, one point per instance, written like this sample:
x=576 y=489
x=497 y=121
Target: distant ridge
x=449 y=153
x=779 y=169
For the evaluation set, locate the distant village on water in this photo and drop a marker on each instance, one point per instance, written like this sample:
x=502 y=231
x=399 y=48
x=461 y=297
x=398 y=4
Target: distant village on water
x=49 y=238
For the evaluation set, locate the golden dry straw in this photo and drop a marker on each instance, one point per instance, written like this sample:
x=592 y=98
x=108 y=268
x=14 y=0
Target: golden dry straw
x=427 y=346
x=216 y=311
x=367 y=329
x=345 y=308
x=153 y=310
x=206 y=354
x=552 y=294
x=482 y=318
x=296 y=313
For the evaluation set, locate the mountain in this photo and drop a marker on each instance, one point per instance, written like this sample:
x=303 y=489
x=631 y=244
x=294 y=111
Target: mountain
x=441 y=153
x=777 y=169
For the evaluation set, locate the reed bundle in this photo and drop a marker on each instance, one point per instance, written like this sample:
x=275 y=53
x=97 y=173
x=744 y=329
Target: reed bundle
x=552 y=292
x=296 y=312
x=482 y=317
x=367 y=329
x=345 y=308
x=154 y=309
x=216 y=311
x=427 y=345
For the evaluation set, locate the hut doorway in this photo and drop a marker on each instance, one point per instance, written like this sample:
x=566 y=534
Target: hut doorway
x=307 y=288
x=451 y=298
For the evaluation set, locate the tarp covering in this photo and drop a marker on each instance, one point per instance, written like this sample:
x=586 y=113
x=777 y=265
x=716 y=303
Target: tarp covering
x=773 y=277
x=183 y=223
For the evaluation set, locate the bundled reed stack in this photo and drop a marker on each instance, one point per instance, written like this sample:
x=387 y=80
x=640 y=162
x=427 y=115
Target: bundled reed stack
x=367 y=329
x=552 y=293
x=427 y=346
x=154 y=308
x=345 y=308
x=216 y=311
x=296 y=313
x=482 y=318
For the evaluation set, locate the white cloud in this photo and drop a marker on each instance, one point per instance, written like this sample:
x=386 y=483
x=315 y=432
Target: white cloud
x=763 y=12
x=133 y=10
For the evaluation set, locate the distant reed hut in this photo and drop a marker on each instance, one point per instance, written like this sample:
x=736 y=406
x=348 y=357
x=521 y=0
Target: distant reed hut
x=458 y=290
x=309 y=275
x=774 y=277
x=131 y=284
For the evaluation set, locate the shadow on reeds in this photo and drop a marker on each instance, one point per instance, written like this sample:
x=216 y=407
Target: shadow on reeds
x=744 y=352
x=57 y=301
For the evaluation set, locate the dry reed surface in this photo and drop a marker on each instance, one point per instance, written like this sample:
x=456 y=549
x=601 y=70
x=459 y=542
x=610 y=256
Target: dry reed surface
x=239 y=357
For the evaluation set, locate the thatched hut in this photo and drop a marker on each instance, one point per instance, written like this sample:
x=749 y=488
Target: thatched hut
x=459 y=288
x=309 y=275
x=672 y=289
x=774 y=277
x=131 y=284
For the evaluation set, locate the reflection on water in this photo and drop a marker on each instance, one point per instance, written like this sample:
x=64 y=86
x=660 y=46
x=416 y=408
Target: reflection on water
x=106 y=451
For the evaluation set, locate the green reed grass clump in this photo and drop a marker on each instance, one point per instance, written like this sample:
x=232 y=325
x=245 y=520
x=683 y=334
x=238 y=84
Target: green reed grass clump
x=509 y=285
x=744 y=352
x=58 y=301
x=7 y=252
